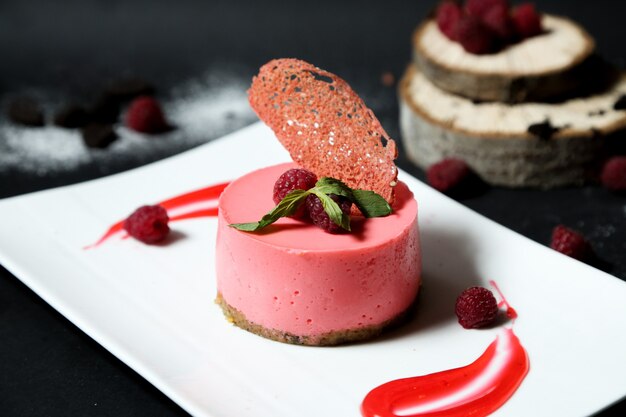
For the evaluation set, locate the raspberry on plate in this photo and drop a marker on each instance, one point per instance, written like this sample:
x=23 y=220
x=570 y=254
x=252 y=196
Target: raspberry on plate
x=447 y=174
x=448 y=14
x=613 y=174
x=146 y=116
x=319 y=216
x=476 y=307
x=570 y=242
x=527 y=20
x=474 y=36
x=294 y=179
x=148 y=224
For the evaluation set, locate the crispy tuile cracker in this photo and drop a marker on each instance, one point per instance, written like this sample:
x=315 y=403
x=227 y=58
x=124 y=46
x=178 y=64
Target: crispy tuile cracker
x=325 y=125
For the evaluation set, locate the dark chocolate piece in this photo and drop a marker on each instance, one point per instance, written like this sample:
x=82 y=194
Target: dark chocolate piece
x=96 y=135
x=124 y=90
x=106 y=109
x=543 y=131
x=620 y=104
x=26 y=111
x=71 y=116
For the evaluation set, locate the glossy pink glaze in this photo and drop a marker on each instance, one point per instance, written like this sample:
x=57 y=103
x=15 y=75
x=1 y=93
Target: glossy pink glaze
x=294 y=277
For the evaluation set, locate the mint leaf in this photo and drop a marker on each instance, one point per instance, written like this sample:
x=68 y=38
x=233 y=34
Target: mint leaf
x=371 y=204
x=328 y=185
x=332 y=209
x=286 y=207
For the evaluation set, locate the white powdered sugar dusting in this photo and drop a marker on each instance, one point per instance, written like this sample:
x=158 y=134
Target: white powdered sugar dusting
x=201 y=110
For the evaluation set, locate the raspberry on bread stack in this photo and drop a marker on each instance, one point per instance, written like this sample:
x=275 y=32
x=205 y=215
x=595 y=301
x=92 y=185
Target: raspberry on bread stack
x=518 y=95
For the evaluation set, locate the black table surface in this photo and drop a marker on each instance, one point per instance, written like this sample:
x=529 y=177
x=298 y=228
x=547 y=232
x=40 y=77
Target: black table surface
x=49 y=367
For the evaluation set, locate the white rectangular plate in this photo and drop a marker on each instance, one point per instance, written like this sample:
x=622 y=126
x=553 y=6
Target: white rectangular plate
x=152 y=306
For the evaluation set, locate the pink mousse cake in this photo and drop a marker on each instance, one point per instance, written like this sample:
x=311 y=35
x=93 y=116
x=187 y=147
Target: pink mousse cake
x=295 y=283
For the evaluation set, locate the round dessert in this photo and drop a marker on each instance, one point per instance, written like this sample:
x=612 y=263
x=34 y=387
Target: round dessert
x=295 y=283
x=537 y=68
x=531 y=144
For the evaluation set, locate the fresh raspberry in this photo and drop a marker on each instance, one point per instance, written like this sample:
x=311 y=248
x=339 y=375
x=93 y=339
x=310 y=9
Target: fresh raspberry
x=526 y=20
x=319 y=216
x=148 y=224
x=570 y=243
x=498 y=19
x=294 y=179
x=480 y=8
x=476 y=307
x=474 y=36
x=613 y=175
x=146 y=116
x=448 y=14
x=447 y=174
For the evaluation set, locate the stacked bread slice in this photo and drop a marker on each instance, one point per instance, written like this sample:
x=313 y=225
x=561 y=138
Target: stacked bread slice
x=538 y=113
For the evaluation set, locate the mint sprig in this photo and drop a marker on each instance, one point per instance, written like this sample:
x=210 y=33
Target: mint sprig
x=368 y=202
x=286 y=207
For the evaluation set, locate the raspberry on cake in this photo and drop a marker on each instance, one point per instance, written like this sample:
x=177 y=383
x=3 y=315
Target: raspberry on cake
x=294 y=179
x=293 y=281
x=320 y=218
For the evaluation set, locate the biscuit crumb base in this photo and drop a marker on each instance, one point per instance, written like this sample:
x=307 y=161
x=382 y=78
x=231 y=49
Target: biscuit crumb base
x=326 y=339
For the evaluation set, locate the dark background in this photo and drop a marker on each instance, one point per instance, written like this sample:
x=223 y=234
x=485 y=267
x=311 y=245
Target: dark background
x=48 y=367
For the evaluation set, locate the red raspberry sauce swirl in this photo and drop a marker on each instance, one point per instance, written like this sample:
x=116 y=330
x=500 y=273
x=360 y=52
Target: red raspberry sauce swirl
x=477 y=389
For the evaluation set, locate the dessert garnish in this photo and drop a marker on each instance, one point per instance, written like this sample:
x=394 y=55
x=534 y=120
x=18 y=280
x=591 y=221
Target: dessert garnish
x=613 y=174
x=477 y=389
x=315 y=209
x=570 y=242
x=146 y=116
x=191 y=205
x=148 y=224
x=476 y=308
x=487 y=26
x=368 y=202
x=294 y=179
x=325 y=125
x=447 y=174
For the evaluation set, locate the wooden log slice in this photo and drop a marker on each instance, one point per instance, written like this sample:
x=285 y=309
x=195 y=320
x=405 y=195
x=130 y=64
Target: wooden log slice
x=536 y=69
x=523 y=145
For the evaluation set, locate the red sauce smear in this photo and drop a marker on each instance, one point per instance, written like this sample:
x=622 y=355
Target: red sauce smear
x=510 y=311
x=182 y=201
x=477 y=389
